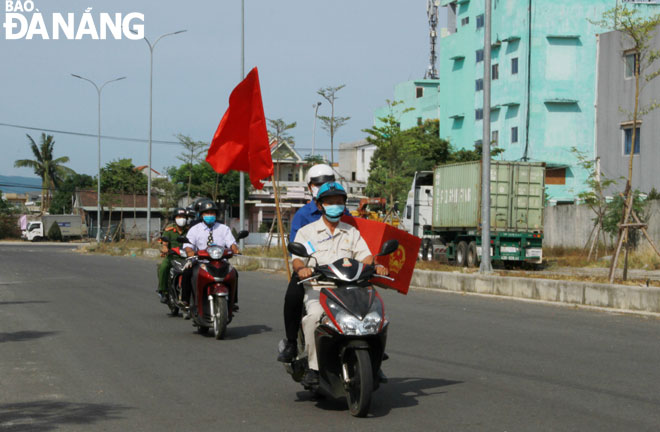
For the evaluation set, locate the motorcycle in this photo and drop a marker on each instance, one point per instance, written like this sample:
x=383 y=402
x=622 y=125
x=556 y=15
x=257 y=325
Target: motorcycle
x=214 y=284
x=174 y=277
x=351 y=336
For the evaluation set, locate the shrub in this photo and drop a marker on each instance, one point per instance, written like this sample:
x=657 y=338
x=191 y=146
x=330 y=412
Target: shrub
x=54 y=232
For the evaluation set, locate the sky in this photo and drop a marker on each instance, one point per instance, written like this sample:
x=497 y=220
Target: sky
x=299 y=46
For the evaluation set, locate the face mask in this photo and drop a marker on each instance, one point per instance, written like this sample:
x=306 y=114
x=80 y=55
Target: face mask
x=180 y=221
x=333 y=212
x=315 y=191
x=209 y=220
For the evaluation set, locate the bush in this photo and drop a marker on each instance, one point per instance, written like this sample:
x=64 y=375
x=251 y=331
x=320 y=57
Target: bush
x=54 y=232
x=9 y=226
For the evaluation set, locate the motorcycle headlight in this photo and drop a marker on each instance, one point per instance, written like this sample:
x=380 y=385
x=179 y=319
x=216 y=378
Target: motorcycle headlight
x=215 y=252
x=353 y=326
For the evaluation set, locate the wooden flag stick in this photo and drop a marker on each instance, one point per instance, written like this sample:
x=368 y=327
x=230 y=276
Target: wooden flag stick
x=279 y=225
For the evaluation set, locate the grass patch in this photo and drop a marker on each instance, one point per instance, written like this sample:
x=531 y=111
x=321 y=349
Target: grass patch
x=644 y=258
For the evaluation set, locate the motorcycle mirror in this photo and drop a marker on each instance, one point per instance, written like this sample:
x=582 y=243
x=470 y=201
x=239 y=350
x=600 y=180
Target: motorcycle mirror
x=389 y=247
x=242 y=234
x=297 y=249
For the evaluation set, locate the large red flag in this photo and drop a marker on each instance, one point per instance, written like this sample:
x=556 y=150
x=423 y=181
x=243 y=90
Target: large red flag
x=241 y=141
x=400 y=263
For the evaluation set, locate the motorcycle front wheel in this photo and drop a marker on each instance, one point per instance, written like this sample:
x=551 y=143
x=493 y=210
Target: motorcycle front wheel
x=360 y=385
x=221 y=317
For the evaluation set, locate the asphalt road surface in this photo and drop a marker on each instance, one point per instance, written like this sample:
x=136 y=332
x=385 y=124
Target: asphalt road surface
x=85 y=346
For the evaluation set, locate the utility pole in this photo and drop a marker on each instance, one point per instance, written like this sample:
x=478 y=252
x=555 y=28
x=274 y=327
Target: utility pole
x=485 y=266
x=241 y=210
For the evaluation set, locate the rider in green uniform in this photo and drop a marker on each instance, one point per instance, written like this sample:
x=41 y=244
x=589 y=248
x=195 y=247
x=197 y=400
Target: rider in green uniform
x=169 y=240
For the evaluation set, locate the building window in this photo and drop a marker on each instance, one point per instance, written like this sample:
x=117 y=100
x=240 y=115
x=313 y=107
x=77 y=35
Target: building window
x=480 y=21
x=419 y=92
x=362 y=155
x=495 y=72
x=352 y=175
x=631 y=63
x=289 y=177
x=480 y=55
x=627 y=140
x=478 y=114
x=478 y=144
x=419 y=121
x=555 y=176
x=494 y=137
x=479 y=84
x=514 y=65
x=465 y=21
x=514 y=135
x=408 y=212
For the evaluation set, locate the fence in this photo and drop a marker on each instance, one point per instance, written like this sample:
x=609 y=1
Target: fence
x=570 y=225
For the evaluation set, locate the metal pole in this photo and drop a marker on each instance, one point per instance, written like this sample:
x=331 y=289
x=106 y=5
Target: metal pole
x=151 y=90
x=242 y=175
x=316 y=111
x=98 y=182
x=485 y=266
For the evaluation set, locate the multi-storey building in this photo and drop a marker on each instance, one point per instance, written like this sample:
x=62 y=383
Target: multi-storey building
x=419 y=102
x=543 y=81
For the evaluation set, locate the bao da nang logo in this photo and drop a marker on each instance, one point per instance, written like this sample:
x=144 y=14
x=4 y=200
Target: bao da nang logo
x=24 y=21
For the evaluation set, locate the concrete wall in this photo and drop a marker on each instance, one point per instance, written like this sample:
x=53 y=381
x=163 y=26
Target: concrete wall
x=570 y=225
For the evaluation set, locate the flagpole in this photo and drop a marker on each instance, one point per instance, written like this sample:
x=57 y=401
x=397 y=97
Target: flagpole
x=279 y=223
x=241 y=210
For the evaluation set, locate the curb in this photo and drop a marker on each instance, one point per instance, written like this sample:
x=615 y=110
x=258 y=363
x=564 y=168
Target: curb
x=616 y=298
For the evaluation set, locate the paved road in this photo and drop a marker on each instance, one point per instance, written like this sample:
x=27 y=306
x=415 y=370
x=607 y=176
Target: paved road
x=85 y=346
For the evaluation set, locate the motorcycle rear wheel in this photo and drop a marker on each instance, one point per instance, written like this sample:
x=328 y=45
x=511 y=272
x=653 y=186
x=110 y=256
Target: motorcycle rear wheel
x=221 y=317
x=360 y=387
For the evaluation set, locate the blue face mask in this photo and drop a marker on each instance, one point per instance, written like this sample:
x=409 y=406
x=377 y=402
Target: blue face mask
x=209 y=220
x=333 y=212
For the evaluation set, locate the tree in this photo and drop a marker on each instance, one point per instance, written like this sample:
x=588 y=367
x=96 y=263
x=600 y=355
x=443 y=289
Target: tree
x=638 y=33
x=332 y=124
x=50 y=170
x=278 y=130
x=54 y=232
x=201 y=180
x=192 y=152
x=62 y=200
x=311 y=159
x=118 y=178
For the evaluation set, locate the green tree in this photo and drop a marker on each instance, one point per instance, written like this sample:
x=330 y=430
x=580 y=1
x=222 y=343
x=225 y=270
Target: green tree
x=311 y=159
x=278 y=130
x=51 y=170
x=54 y=232
x=120 y=176
x=62 y=199
x=201 y=180
x=332 y=123
x=191 y=154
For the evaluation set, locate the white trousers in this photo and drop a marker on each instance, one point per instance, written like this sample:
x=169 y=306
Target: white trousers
x=309 y=324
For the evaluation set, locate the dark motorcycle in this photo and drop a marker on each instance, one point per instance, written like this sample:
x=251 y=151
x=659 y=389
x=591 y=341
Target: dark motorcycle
x=174 y=277
x=351 y=337
x=214 y=284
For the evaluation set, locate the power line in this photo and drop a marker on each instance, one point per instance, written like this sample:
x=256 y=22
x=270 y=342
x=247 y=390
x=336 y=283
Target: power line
x=118 y=138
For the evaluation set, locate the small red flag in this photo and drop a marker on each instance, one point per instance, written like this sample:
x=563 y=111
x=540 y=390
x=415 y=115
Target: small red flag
x=241 y=141
x=400 y=263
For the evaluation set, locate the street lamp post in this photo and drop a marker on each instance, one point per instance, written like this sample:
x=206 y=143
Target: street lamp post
x=98 y=192
x=151 y=88
x=316 y=112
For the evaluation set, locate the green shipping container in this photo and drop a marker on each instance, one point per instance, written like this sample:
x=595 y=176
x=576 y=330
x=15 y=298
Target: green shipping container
x=516 y=189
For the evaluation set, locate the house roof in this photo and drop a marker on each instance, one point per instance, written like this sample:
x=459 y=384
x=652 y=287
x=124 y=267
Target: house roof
x=354 y=144
x=88 y=199
x=276 y=145
x=145 y=168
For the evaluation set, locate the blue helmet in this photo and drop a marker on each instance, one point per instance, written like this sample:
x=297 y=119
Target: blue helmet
x=330 y=189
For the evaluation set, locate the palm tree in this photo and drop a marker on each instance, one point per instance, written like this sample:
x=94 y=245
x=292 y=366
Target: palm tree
x=50 y=170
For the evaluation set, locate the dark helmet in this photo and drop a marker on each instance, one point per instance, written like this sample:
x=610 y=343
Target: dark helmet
x=207 y=206
x=190 y=212
x=198 y=203
x=179 y=212
x=331 y=189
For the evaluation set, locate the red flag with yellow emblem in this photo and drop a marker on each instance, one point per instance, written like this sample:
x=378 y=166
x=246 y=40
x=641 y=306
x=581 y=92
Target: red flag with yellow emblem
x=401 y=263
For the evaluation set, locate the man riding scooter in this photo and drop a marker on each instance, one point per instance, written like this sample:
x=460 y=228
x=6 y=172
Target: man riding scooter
x=327 y=239
x=206 y=233
x=169 y=240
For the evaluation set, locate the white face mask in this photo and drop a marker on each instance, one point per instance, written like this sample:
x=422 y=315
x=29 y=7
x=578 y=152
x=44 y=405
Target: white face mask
x=181 y=221
x=315 y=191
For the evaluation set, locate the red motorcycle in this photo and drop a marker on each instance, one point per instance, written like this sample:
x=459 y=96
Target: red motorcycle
x=214 y=284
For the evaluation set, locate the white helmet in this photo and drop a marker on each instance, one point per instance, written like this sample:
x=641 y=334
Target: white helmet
x=319 y=174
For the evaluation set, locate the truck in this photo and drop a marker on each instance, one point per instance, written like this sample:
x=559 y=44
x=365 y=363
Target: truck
x=443 y=208
x=70 y=226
